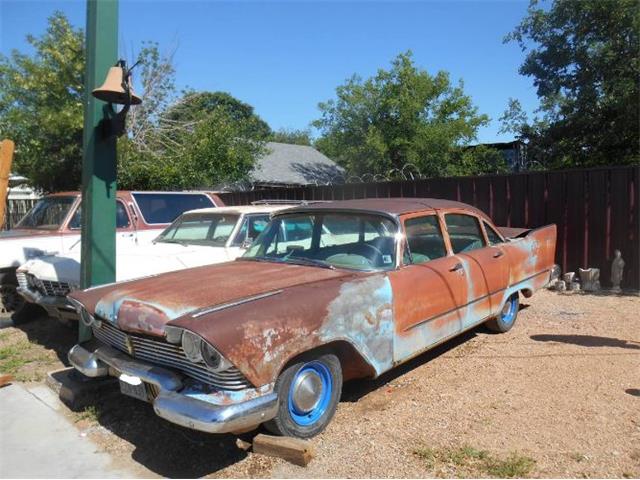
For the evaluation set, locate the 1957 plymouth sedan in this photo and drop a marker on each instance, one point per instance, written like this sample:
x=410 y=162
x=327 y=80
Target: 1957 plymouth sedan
x=327 y=292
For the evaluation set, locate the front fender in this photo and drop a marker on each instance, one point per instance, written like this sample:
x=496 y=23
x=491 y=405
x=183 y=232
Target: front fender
x=261 y=337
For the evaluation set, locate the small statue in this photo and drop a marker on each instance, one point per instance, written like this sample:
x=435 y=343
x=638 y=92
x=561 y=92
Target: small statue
x=617 y=269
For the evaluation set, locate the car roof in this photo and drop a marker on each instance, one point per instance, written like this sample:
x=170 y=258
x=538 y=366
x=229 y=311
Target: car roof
x=389 y=206
x=241 y=209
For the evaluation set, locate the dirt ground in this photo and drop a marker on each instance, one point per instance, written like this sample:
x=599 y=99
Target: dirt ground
x=558 y=396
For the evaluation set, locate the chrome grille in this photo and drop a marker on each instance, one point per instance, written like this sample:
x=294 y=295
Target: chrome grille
x=22 y=280
x=48 y=287
x=169 y=355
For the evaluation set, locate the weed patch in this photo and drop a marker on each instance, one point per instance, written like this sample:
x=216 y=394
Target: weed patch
x=467 y=461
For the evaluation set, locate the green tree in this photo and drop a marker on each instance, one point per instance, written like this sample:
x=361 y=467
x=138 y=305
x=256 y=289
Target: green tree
x=583 y=57
x=292 y=136
x=399 y=117
x=41 y=99
x=41 y=107
x=195 y=106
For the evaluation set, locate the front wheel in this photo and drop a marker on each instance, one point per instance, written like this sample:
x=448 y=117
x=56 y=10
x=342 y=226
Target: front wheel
x=308 y=394
x=507 y=316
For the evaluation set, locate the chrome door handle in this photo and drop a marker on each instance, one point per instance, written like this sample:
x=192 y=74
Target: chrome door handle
x=456 y=267
x=498 y=254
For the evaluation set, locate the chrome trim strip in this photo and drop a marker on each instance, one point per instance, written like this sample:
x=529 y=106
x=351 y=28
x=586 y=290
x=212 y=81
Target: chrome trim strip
x=224 y=306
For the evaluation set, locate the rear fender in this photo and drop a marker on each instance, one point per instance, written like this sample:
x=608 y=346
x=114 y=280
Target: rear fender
x=531 y=258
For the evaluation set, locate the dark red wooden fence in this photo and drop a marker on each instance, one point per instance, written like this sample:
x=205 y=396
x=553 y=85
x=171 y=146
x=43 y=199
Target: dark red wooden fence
x=596 y=210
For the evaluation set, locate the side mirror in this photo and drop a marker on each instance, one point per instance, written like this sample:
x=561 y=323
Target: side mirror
x=247 y=243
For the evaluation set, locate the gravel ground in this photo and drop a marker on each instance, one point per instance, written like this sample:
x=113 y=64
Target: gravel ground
x=558 y=396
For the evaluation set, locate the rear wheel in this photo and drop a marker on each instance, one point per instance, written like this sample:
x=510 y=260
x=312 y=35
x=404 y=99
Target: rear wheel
x=507 y=316
x=308 y=394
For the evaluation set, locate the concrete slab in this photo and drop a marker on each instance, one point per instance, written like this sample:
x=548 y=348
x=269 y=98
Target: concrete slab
x=76 y=390
x=36 y=441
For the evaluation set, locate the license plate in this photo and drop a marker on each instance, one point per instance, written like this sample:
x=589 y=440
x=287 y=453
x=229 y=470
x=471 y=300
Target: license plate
x=133 y=389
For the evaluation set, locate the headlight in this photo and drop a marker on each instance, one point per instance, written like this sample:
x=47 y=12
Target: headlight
x=213 y=359
x=191 y=346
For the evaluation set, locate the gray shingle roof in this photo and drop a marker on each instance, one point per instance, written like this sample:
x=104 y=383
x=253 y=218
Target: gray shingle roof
x=295 y=165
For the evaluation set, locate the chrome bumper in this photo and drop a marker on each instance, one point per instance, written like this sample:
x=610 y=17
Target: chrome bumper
x=170 y=404
x=56 y=307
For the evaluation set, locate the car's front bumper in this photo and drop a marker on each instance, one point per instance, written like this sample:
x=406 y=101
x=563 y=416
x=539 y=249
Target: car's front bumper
x=170 y=403
x=56 y=307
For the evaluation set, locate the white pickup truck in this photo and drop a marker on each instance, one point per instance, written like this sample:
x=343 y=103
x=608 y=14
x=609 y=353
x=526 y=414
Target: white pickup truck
x=198 y=237
x=52 y=226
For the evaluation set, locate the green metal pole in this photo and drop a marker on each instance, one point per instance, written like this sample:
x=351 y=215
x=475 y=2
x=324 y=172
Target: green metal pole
x=99 y=157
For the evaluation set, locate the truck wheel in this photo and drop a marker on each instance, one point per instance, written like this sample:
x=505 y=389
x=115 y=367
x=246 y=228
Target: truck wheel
x=507 y=316
x=12 y=302
x=308 y=394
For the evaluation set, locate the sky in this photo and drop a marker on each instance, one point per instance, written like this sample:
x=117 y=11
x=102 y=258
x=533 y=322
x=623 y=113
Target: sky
x=286 y=57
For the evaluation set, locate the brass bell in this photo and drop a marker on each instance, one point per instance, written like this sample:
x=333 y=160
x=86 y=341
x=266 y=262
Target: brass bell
x=113 y=89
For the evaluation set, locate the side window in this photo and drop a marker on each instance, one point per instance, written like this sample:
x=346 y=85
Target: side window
x=122 y=217
x=492 y=235
x=464 y=232
x=424 y=239
x=252 y=226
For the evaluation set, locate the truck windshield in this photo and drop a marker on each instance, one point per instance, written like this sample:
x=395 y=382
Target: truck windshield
x=330 y=240
x=211 y=229
x=48 y=213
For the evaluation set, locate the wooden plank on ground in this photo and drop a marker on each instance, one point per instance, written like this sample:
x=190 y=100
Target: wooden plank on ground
x=5 y=380
x=294 y=450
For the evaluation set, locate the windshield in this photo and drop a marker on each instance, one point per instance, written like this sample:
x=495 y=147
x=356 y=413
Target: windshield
x=212 y=229
x=48 y=213
x=331 y=240
x=165 y=207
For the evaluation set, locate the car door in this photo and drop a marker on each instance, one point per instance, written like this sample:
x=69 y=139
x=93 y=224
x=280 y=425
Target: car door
x=125 y=233
x=495 y=265
x=468 y=246
x=424 y=302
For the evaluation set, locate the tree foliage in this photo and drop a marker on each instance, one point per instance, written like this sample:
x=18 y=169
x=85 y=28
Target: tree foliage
x=195 y=140
x=292 y=136
x=583 y=57
x=401 y=116
x=195 y=106
x=41 y=106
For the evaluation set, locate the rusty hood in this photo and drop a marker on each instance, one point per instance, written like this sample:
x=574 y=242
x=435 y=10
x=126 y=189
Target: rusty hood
x=147 y=304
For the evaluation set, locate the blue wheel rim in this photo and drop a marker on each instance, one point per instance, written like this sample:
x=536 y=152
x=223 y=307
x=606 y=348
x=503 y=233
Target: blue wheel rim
x=510 y=315
x=307 y=418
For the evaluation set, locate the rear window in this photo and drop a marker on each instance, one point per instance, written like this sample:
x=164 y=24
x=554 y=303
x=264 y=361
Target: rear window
x=166 y=207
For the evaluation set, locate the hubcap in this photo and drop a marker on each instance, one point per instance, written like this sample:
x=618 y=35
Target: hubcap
x=309 y=394
x=307 y=391
x=509 y=310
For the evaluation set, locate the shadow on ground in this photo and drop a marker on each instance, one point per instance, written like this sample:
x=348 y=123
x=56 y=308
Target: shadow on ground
x=635 y=392
x=51 y=334
x=587 y=341
x=165 y=449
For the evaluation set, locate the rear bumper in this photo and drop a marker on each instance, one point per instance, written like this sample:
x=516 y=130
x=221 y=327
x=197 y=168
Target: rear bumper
x=56 y=307
x=170 y=404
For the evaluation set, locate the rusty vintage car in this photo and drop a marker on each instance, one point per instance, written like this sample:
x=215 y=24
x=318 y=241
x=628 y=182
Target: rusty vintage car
x=328 y=292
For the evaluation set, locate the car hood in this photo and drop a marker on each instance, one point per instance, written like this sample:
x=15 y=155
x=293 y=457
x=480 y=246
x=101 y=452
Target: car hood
x=24 y=232
x=16 y=250
x=147 y=304
x=140 y=261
